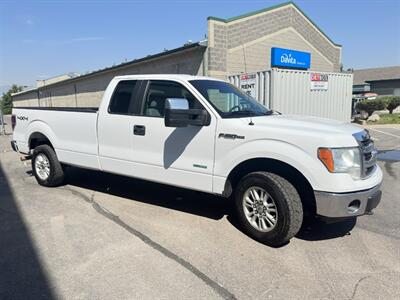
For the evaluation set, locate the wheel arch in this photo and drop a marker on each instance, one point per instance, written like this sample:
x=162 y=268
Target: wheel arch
x=37 y=138
x=283 y=169
x=38 y=133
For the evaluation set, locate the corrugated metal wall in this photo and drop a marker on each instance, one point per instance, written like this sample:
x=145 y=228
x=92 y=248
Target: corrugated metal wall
x=290 y=92
x=262 y=91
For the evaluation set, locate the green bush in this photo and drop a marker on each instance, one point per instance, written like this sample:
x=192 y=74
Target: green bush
x=6 y=99
x=392 y=102
x=369 y=106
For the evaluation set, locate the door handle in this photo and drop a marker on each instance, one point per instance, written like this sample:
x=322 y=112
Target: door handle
x=139 y=130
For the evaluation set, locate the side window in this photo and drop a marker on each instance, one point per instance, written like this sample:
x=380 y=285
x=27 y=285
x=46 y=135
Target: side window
x=158 y=91
x=124 y=97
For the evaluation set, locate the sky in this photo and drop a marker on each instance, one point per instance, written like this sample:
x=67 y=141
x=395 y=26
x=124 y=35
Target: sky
x=41 y=39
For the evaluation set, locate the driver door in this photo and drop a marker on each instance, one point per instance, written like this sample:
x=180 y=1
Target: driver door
x=178 y=156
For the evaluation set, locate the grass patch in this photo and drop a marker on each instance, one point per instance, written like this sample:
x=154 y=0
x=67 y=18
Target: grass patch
x=387 y=119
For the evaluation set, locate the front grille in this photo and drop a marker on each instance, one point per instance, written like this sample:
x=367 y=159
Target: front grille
x=368 y=153
x=367 y=156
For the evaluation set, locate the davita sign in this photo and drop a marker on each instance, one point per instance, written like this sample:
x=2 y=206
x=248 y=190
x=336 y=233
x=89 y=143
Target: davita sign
x=287 y=58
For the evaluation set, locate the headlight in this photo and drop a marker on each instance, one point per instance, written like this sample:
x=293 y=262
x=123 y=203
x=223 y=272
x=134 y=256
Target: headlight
x=341 y=160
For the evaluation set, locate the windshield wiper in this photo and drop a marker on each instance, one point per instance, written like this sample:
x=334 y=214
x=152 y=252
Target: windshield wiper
x=251 y=113
x=244 y=112
x=271 y=112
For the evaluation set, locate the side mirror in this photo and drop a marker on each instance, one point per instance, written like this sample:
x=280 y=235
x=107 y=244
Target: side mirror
x=178 y=114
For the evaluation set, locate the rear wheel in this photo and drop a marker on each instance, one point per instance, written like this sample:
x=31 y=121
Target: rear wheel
x=268 y=207
x=46 y=167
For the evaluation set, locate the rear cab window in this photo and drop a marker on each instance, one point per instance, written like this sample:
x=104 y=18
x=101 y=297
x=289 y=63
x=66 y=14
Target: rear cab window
x=126 y=98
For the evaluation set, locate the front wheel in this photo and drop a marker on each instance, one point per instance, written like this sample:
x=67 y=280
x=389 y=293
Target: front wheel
x=269 y=208
x=46 y=167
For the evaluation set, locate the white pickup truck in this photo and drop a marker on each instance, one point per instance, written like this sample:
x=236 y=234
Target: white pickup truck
x=205 y=134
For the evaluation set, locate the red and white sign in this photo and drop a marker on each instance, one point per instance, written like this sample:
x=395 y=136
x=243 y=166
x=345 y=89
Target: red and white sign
x=319 y=82
x=248 y=84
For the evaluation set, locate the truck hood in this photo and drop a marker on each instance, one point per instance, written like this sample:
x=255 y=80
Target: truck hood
x=307 y=124
x=298 y=130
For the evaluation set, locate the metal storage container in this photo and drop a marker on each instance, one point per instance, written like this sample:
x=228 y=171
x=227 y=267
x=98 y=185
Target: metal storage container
x=320 y=94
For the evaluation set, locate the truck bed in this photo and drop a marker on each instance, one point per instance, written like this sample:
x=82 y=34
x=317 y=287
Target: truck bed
x=72 y=132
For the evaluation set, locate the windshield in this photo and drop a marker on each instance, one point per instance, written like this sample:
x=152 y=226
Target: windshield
x=229 y=101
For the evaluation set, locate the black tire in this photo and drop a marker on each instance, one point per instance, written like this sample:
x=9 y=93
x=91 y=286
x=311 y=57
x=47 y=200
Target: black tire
x=287 y=204
x=56 y=174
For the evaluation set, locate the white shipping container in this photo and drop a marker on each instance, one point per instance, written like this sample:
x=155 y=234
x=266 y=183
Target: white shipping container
x=320 y=94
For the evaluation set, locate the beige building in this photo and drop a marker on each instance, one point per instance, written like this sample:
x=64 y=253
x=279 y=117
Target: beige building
x=55 y=79
x=236 y=45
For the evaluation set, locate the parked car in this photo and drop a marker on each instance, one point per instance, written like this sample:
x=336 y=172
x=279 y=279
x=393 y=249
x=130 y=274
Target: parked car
x=205 y=134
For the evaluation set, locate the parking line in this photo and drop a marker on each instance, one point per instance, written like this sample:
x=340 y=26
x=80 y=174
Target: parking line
x=387 y=133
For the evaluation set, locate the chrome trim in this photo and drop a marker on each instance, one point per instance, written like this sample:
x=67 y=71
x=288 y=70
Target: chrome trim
x=362 y=135
x=176 y=103
x=335 y=205
x=368 y=153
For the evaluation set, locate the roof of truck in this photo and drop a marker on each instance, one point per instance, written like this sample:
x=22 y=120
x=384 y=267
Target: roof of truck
x=165 y=77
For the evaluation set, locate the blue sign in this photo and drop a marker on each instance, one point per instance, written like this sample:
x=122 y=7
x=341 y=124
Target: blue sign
x=290 y=58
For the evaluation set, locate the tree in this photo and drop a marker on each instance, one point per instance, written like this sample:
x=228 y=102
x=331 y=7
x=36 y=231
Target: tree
x=369 y=106
x=6 y=103
x=392 y=103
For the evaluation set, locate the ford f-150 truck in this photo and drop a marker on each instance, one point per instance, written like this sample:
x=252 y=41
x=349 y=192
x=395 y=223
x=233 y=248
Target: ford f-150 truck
x=205 y=134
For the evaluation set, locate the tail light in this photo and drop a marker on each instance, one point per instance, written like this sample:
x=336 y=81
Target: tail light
x=13 y=121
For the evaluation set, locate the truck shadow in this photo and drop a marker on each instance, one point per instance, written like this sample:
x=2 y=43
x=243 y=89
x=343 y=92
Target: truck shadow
x=22 y=275
x=316 y=229
x=389 y=158
x=177 y=142
x=188 y=201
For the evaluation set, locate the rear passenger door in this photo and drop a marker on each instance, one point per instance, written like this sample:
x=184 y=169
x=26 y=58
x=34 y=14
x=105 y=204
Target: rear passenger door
x=177 y=156
x=115 y=127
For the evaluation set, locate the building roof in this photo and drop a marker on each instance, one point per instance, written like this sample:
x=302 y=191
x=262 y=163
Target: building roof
x=125 y=64
x=269 y=9
x=364 y=76
x=54 y=79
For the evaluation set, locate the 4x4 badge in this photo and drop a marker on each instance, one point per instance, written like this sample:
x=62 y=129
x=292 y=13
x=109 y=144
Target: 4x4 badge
x=22 y=118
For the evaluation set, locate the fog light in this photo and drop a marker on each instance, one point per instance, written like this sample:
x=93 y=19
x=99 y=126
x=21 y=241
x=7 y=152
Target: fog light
x=354 y=206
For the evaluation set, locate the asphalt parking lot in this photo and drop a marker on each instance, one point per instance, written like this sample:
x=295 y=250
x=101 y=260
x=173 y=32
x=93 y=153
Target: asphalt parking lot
x=103 y=236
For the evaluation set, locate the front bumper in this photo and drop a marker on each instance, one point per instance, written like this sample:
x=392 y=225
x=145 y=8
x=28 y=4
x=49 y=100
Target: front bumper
x=342 y=205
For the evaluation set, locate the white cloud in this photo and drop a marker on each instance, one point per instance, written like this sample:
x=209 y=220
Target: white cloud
x=29 y=22
x=86 y=39
x=75 y=40
x=63 y=42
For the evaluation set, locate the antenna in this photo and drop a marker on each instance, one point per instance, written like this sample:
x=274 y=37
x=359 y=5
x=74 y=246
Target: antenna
x=251 y=123
x=244 y=53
